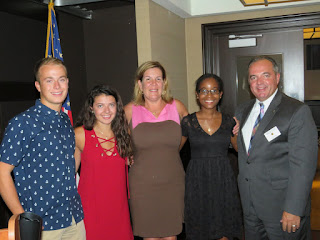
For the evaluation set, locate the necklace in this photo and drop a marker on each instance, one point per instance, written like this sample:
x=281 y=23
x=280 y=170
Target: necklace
x=155 y=113
x=209 y=129
x=158 y=111
x=102 y=134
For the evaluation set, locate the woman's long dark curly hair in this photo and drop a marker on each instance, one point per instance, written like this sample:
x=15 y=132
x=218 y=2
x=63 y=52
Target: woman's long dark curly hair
x=119 y=124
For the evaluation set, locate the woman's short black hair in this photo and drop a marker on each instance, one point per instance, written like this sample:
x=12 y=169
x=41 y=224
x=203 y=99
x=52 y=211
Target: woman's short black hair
x=209 y=75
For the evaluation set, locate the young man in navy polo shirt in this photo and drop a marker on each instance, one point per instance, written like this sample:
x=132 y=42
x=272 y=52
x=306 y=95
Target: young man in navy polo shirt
x=38 y=146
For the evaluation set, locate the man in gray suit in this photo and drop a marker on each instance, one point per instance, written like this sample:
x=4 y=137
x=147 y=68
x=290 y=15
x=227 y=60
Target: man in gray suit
x=277 y=151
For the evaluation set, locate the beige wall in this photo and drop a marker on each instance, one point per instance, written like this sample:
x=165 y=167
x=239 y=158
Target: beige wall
x=177 y=42
x=161 y=37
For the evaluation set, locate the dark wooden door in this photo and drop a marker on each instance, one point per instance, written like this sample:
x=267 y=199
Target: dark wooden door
x=285 y=47
x=282 y=37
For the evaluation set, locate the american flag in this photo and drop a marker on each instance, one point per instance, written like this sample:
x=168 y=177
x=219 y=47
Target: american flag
x=53 y=49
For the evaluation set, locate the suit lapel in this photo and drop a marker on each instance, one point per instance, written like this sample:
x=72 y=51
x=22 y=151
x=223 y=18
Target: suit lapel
x=245 y=115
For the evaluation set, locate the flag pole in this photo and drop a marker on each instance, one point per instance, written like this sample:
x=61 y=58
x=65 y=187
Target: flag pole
x=49 y=31
x=53 y=49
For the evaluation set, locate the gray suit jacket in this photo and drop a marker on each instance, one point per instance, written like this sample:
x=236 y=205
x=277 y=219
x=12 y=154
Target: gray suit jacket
x=278 y=174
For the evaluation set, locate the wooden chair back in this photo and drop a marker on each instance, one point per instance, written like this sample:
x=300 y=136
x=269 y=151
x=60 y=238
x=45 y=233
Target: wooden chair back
x=13 y=230
x=4 y=234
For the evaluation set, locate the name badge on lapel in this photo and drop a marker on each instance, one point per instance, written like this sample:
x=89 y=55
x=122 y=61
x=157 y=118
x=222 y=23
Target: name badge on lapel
x=272 y=134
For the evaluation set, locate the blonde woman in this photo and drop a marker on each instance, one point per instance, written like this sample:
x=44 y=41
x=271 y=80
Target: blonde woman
x=157 y=176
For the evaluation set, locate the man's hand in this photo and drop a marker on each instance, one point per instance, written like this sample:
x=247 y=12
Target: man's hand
x=290 y=222
x=8 y=190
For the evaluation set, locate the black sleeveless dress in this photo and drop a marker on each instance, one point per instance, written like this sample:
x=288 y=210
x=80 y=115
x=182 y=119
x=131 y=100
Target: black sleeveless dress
x=212 y=205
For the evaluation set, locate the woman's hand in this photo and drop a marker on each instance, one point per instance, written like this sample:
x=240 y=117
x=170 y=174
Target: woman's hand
x=130 y=161
x=235 y=129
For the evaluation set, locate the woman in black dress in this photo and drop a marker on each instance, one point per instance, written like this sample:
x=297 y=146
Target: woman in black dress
x=212 y=205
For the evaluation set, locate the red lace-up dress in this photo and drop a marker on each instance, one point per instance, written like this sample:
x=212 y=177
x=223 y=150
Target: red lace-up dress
x=103 y=191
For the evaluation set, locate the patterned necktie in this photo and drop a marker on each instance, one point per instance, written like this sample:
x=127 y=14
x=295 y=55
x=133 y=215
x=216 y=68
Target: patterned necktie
x=256 y=125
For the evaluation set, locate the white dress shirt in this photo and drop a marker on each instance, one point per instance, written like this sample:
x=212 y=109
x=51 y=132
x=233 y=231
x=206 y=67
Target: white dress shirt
x=248 y=126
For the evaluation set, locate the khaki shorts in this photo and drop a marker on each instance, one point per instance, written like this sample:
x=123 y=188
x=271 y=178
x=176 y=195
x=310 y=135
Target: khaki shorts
x=74 y=232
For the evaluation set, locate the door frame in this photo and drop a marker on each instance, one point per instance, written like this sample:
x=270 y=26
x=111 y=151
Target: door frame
x=267 y=24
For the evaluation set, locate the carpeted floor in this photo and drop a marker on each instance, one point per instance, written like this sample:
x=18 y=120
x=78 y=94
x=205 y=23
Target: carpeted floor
x=315 y=236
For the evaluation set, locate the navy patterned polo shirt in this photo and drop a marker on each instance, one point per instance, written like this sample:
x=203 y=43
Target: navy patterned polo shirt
x=40 y=143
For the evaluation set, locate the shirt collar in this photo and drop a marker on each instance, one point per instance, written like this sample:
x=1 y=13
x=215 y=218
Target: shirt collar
x=41 y=108
x=266 y=103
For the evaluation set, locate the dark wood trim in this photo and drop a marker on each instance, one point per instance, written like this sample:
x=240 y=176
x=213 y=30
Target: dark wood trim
x=269 y=24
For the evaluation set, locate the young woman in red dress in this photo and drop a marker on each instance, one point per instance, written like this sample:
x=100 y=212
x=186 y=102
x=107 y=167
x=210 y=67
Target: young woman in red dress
x=103 y=146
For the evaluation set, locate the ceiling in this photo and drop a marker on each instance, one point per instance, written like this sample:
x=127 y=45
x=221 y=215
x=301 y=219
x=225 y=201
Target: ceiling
x=197 y=8
x=37 y=9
